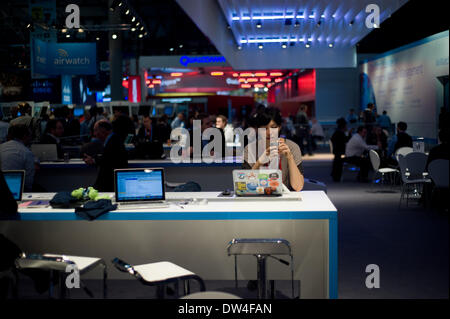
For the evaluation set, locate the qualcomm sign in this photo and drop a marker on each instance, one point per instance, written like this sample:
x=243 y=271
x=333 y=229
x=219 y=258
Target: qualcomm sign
x=64 y=58
x=186 y=60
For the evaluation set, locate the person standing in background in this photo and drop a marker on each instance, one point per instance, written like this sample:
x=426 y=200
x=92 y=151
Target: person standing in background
x=303 y=130
x=122 y=124
x=178 y=121
x=384 y=121
x=114 y=156
x=352 y=118
x=338 y=142
x=24 y=117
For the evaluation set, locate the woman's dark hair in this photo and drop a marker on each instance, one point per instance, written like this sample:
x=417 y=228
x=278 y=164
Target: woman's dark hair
x=263 y=117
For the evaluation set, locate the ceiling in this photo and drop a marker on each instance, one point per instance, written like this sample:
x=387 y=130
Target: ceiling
x=286 y=34
x=317 y=22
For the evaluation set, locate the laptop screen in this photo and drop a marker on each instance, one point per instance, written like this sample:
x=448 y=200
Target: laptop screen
x=14 y=180
x=139 y=185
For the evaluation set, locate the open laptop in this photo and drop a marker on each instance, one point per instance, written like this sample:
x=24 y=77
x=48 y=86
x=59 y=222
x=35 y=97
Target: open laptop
x=45 y=152
x=141 y=188
x=254 y=183
x=15 y=181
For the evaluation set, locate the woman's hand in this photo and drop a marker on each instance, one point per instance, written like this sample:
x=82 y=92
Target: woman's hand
x=270 y=152
x=283 y=149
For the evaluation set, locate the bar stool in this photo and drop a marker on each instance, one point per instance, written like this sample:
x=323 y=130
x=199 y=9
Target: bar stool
x=58 y=264
x=160 y=274
x=261 y=248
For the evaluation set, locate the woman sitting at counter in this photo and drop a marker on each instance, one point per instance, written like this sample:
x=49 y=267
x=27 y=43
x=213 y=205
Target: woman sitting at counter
x=286 y=151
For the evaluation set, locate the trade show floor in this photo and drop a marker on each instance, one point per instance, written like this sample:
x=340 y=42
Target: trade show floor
x=410 y=246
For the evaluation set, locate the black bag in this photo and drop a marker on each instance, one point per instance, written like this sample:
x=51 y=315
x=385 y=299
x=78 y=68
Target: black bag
x=65 y=200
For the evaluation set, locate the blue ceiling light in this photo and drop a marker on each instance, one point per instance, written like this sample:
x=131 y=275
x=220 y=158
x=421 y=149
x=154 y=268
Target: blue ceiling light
x=300 y=15
x=311 y=15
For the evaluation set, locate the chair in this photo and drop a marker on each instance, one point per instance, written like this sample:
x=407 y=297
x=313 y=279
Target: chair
x=211 y=295
x=57 y=265
x=403 y=151
x=410 y=166
x=438 y=171
x=375 y=160
x=345 y=165
x=261 y=248
x=160 y=274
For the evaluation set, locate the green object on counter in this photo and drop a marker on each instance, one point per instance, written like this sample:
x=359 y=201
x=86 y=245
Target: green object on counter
x=89 y=193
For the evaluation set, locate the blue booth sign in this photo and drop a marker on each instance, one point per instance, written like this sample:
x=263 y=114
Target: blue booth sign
x=64 y=58
x=186 y=60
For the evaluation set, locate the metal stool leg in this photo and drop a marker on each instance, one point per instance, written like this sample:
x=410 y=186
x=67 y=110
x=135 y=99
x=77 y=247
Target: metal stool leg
x=262 y=276
x=235 y=272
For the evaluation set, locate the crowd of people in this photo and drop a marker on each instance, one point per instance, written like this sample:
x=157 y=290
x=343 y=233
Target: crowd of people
x=356 y=135
x=104 y=137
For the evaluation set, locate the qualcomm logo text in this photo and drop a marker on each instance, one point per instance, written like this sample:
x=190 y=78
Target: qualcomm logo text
x=185 y=60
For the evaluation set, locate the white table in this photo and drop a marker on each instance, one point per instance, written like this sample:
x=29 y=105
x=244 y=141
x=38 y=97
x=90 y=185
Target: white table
x=195 y=236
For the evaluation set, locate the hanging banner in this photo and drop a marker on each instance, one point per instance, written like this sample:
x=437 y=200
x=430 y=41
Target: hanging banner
x=64 y=58
x=66 y=84
x=134 y=89
x=42 y=12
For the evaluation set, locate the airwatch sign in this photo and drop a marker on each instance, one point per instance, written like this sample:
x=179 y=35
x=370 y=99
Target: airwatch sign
x=63 y=58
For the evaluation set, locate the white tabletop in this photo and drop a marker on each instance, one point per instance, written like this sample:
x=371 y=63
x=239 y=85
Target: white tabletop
x=307 y=201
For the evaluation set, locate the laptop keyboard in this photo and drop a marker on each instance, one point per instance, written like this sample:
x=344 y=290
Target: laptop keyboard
x=122 y=206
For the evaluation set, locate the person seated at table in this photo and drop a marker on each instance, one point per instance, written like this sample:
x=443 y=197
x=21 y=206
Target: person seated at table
x=286 y=151
x=355 y=153
x=53 y=132
x=401 y=139
x=147 y=132
x=378 y=137
x=149 y=143
x=441 y=151
x=114 y=156
x=15 y=155
x=317 y=133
